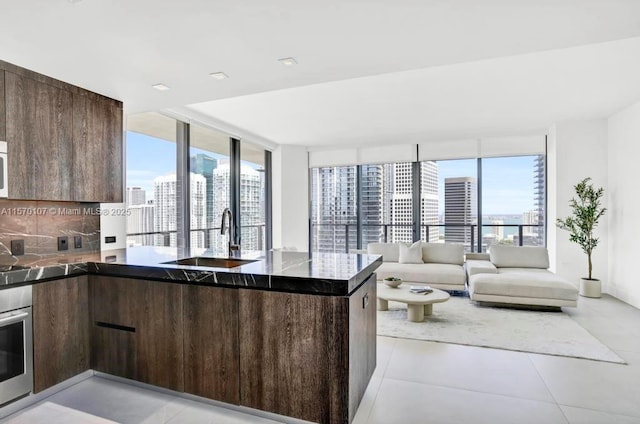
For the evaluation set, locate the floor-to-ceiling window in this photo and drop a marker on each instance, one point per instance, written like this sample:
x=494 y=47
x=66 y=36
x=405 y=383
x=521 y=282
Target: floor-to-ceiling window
x=180 y=178
x=474 y=202
x=333 y=208
x=457 y=182
x=386 y=202
x=151 y=180
x=209 y=168
x=252 y=197
x=513 y=201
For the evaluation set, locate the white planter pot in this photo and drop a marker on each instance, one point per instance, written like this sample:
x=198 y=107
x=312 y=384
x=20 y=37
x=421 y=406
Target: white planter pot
x=590 y=288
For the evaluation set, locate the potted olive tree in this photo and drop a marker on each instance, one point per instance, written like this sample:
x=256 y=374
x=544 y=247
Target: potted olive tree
x=586 y=212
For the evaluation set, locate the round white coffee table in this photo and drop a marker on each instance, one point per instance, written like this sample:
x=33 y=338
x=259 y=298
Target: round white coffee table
x=418 y=305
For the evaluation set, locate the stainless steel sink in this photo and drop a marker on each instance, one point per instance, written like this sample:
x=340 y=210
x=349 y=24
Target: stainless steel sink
x=212 y=262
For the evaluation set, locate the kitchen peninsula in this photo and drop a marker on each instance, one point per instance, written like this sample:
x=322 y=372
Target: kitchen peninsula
x=291 y=333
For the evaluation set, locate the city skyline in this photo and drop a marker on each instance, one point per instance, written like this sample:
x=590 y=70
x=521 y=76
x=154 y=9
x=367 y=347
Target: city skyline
x=150 y=157
x=384 y=203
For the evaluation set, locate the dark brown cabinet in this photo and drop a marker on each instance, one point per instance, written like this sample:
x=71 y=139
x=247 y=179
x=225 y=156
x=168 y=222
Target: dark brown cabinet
x=136 y=330
x=60 y=331
x=97 y=148
x=211 y=356
x=300 y=355
x=39 y=139
x=64 y=143
x=307 y=356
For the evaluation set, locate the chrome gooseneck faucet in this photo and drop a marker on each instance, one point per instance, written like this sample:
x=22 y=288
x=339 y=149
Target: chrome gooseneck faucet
x=228 y=225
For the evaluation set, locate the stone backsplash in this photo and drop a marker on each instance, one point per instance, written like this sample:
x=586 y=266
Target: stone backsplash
x=40 y=223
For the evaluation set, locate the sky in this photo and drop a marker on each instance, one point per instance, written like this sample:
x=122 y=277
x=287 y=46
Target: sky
x=149 y=157
x=507 y=182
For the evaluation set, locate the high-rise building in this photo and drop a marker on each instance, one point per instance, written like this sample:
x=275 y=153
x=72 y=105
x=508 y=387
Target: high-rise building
x=399 y=201
x=459 y=205
x=539 y=184
x=371 y=203
x=165 y=213
x=205 y=165
x=429 y=201
x=334 y=208
x=498 y=229
x=135 y=196
x=385 y=204
x=140 y=220
x=251 y=209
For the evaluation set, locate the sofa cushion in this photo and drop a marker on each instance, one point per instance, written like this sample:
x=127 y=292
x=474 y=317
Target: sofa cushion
x=542 y=285
x=423 y=273
x=410 y=254
x=474 y=267
x=519 y=257
x=443 y=253
x=390 y=251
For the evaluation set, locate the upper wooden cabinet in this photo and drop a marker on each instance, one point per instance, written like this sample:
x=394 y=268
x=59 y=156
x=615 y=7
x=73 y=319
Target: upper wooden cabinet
x=64 y=143
x=97 y=148
x=39 y=122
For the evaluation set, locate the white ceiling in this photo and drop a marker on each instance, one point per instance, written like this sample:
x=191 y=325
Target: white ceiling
x=370 y=71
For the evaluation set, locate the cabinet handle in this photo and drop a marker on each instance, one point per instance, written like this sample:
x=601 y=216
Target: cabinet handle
x=365 y=301
x=115 y=326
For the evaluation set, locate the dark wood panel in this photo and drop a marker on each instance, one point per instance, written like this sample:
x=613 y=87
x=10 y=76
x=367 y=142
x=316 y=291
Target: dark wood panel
x=362 y=341
x=159 y=337
x=294 y=355
x=154 y=310
x=113 y=351
x=97 y=149
x=60 y=331
x=114 y=300
x=3 y=110
x=211 y=351
x=39 y=133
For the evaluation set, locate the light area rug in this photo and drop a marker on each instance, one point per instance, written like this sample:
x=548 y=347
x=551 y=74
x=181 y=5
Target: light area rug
x=460 y=321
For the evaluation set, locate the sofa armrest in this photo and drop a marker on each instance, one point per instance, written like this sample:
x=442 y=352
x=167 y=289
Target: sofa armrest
x=474 y=266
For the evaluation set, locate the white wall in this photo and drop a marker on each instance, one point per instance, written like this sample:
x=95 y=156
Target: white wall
x=576 y=150
x=291 y=197
x=113 y=223
x=624 y=204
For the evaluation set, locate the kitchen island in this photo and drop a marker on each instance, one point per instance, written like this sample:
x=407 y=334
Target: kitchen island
x=288 y=332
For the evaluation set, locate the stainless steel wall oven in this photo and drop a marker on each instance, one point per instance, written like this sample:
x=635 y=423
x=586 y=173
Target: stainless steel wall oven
x=16 y=343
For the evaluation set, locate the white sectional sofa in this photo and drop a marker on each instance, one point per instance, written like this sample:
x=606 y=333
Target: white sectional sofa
x=440 y=265
x=519 y=276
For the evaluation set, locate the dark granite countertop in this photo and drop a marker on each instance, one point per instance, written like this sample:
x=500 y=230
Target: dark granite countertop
x=300 y=272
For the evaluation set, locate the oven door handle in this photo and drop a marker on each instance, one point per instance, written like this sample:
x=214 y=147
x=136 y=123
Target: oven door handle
x=13 y=318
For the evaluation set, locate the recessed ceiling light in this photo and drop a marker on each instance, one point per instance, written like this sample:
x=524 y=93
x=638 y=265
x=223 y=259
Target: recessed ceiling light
x=288 y=61
x=161 y=87
x=74 y=1
x=219 y=75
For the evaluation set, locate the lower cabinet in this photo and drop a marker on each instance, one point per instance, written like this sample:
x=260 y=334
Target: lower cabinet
x=211 y=350
x=299 y=355
x=136 y=330
x=60 y=331
x=307 y=356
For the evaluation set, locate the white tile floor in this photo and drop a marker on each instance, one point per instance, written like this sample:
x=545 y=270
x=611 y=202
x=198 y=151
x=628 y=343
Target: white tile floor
x=421 y=382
